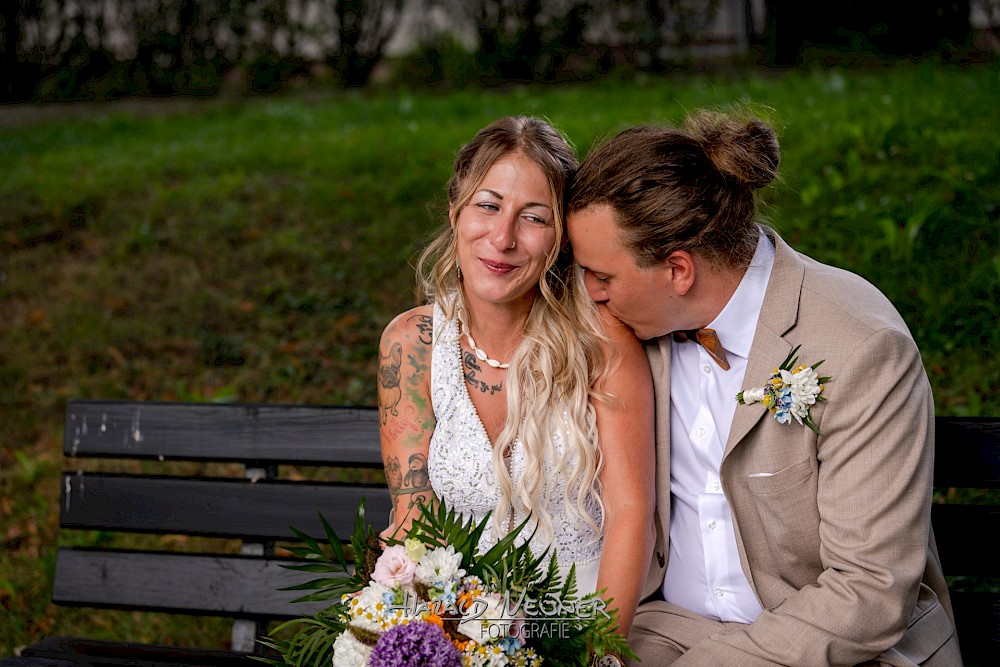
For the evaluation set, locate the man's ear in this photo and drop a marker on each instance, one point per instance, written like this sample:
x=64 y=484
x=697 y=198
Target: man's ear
x=681 y=271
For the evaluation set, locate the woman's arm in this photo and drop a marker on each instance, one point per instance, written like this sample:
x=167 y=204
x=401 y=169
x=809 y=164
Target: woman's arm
x=626 y=430
x=406 y=418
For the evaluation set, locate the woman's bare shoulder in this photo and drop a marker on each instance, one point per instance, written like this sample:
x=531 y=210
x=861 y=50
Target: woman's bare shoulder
x=619 y=334
x=414 y=326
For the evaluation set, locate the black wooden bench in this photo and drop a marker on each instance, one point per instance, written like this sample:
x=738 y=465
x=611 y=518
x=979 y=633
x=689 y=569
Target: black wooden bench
x=967 y=476
x=254 y=506
x=259 y=505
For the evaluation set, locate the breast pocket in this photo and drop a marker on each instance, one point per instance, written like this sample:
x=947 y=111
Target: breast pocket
x=789 y=516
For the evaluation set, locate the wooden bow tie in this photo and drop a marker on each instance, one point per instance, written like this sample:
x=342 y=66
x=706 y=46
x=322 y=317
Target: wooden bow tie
x=709 y=340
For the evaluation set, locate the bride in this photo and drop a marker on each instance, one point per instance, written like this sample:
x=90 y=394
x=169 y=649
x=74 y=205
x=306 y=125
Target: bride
x=510 y=392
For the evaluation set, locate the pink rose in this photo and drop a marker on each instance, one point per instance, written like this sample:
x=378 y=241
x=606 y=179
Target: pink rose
x=394 y=565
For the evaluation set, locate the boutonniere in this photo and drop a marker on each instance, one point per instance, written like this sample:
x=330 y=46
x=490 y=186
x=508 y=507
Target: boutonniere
x=791 y=391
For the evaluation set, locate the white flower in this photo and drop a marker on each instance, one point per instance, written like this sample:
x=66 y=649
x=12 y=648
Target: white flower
x=394 y=565
x=497 y=658
x=473 y=659
x=349 y=652
x=804 y=387
x=439 y=566
x=488 y=618
x=804 y=384
x=368 y=609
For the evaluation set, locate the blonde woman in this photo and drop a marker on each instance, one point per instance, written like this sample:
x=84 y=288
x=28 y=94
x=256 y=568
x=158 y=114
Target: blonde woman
x=510 y=392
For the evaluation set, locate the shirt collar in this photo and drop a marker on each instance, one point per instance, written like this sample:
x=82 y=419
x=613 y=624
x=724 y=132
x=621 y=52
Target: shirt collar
x=736 y=324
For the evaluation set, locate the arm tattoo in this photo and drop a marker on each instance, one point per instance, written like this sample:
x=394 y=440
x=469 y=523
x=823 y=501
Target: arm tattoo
x=425 y=327
x=389 y=376
x=393 y=475
x=414 y=390
x=470 y=375
x=416 y=483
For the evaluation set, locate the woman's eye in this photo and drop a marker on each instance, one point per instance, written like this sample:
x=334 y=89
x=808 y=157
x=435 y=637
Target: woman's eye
x=488 y=206
x=536 y=219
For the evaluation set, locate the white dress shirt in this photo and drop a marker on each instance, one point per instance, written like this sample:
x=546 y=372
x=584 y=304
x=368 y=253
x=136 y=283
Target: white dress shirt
x=703 y=571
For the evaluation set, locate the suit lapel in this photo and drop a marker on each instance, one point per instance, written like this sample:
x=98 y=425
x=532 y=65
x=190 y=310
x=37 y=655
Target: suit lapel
x=658 y=352
x=778 y=314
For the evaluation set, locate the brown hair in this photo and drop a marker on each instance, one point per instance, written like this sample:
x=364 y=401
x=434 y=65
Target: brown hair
x=683 y=189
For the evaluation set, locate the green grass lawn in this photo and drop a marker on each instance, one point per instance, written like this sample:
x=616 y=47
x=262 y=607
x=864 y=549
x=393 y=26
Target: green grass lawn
x=253 y=249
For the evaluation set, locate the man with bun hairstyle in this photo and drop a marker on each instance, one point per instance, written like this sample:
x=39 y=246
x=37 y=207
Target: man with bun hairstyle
x=793 y=523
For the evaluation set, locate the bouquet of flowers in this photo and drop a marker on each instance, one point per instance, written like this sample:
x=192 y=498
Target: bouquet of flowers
x=431 y=600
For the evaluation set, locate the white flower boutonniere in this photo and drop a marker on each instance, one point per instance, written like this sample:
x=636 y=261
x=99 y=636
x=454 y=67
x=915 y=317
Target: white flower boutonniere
x=791 y=391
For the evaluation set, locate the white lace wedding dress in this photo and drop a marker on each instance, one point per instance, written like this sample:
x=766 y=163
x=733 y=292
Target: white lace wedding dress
x=461 y=466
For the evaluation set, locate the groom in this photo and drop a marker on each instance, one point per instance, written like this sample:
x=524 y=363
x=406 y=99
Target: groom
x=779 y=541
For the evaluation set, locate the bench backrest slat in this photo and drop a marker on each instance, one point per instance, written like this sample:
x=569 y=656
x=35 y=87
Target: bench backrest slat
x=952 y=526
x=229 y=508
x=315 y=435
x=217 y=585
x=967 y=452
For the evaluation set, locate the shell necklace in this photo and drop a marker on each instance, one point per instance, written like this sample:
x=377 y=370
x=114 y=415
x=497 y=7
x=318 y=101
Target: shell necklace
x=478 y=351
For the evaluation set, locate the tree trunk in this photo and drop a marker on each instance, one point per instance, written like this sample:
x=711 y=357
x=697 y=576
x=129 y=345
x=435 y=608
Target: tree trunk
x=10 y=61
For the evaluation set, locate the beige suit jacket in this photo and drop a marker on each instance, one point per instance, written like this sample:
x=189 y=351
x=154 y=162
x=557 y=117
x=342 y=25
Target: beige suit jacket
x=836 y=540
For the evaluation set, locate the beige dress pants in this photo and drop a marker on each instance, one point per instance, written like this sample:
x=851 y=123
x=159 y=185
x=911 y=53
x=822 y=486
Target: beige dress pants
x=655 y=648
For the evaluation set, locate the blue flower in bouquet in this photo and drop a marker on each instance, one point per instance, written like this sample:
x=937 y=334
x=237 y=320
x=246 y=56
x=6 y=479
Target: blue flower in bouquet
x=783 y=406
x=447 y=596
x=510 y=645
x=414 y=645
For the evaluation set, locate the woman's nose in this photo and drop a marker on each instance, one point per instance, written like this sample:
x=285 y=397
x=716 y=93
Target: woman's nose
x=504 y=233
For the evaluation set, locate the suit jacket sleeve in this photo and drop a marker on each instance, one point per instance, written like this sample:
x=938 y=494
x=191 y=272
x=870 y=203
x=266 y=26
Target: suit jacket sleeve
x=875 y=461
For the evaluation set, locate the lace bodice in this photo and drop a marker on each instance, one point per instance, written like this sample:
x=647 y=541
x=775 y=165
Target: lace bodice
x=460 y=460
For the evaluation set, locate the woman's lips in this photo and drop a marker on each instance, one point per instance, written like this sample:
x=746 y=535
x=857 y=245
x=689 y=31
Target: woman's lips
x=498 y=268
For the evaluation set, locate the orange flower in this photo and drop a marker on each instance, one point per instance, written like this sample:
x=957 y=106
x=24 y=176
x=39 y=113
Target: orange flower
x=464 y=600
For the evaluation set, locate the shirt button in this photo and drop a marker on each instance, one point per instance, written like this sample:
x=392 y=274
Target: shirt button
x=712 y=525
x=718 y=592
x=707 y=369
x=701 y=431
x=716 y=486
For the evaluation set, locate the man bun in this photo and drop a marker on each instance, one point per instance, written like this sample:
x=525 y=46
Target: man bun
x=745 y=150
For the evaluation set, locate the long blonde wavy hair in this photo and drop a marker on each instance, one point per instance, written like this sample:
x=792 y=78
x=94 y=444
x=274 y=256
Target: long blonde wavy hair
x=560 y=358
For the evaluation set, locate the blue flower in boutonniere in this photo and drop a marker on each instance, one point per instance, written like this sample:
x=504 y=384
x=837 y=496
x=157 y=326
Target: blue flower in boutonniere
x=791 y=391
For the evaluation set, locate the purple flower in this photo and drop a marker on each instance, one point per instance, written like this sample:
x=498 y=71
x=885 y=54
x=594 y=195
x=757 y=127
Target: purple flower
x=417 y=644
